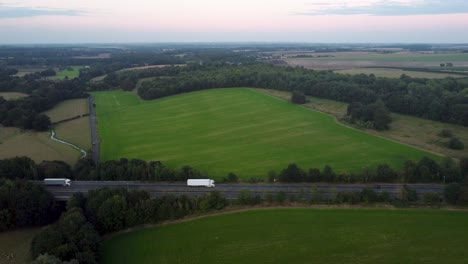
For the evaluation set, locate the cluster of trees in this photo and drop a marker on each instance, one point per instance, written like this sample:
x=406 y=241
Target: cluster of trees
x=298 y=98
x=76 y=236
x=25 y=113
x=375 y=115
x=442 y=100
x=453 y=142
x=457 y=193
x=425 y=170
x=24 y=204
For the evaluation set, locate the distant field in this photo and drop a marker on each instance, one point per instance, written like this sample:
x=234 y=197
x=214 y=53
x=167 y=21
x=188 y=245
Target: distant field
x=68 y=109
x=301 y=236
x=349 y=60
x=36 y=145
x=411 y=130
x=27 y=70
x=15 y=245
x=238 y=130
x=71 y=74
x=151 y=66
x=396 y=73
x=12 y=95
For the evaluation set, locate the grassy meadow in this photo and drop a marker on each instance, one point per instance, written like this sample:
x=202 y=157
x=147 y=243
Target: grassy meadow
x=300 y=236
x=68 y=109
x=12 y=95
x=71 y=74
x=15 y=245
x=236 y=130
x=419 y=132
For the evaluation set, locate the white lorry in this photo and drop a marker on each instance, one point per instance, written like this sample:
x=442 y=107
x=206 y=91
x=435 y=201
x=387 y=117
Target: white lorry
x=57 y=181
x=200 y=183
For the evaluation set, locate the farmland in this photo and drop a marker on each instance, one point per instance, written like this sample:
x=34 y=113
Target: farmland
x=301 y=236
x=419 y=132
x=12 y=95
x=396 y=73
x=71 y=73
x=350 y=60
x=38 y=145
x=236 y=130
x=15 y=245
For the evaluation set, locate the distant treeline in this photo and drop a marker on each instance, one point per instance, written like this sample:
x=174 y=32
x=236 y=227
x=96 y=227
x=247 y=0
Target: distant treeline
x=425 y=170
x=442 y=100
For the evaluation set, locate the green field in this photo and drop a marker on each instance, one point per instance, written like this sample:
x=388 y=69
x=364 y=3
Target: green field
x=301 y=236
x=419 y=132
x=15 y=245
x=71 y=74
x=236 y=130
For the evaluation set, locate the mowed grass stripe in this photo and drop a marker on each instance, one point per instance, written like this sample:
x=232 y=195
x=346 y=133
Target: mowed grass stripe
x=300 y=236
x=236 y=130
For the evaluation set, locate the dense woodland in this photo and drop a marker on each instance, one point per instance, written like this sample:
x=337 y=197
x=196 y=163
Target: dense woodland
x=76 y=236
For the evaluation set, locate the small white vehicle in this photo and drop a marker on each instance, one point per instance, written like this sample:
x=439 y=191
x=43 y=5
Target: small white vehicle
x=57 y=181
x=200 y=183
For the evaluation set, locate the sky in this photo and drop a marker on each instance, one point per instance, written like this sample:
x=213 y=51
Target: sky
x=315 y=21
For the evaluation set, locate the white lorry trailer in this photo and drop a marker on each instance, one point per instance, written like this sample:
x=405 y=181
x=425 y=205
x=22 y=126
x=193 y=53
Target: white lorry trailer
x=57 y=181
x=200 y=183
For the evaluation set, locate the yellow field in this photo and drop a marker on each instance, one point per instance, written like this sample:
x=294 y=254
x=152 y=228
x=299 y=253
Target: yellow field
x=12 y=95
x=15 y=245
x=68 y=109
x=396 y=73
x=77 y=132
x=419 y=132
x=36 y=145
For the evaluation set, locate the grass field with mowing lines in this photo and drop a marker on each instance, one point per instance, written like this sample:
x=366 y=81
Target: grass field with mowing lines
x=419 y=132
x=12 y=95
x=300 y=236
x=396 y=73
x=236 y=130
x=68 y=109
x=17 y=244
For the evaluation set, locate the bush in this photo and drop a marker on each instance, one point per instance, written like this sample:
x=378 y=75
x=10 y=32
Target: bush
x=446 y=133
x=368 y=195
x=231 y=177
x=298 y=98
x=245 y=197
x=407 y=195
x=455 y=143
x=431 y=198
x=348 y=197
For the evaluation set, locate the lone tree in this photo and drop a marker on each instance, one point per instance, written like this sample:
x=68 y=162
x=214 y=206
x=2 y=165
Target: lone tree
x=298 y=98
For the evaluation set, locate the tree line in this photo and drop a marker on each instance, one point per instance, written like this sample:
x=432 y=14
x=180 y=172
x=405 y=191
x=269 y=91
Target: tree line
x=442 y=100
x=425 y=170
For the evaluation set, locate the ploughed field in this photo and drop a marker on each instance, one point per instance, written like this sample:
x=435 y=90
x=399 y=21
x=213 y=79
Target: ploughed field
x=236 y=130
x=300 y=236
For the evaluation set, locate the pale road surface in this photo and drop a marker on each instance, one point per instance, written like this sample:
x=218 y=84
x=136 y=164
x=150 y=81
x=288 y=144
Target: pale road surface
x=231 y=191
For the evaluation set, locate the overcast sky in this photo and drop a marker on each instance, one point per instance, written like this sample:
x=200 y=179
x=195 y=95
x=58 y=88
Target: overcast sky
x=318 y=21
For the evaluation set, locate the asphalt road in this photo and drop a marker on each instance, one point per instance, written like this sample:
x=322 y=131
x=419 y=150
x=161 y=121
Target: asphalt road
x=94 y=137
x=231 y=191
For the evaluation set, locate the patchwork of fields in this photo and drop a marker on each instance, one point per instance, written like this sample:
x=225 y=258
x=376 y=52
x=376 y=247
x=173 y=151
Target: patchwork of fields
x=300 y=236
x=236 y=130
